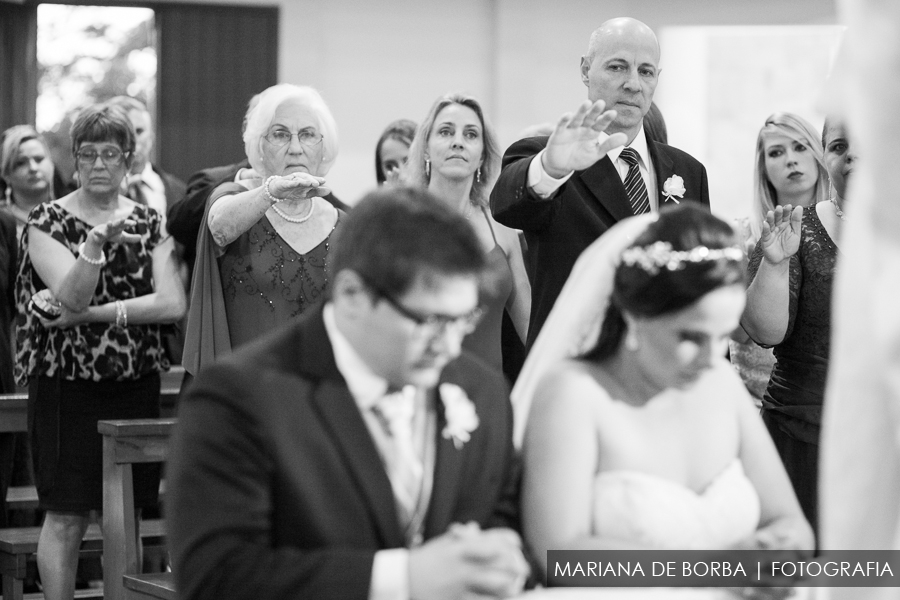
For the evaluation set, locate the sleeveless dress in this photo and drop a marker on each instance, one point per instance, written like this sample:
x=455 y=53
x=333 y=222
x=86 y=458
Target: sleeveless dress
x=266 y=283
x=485 y=341
x=663 y=514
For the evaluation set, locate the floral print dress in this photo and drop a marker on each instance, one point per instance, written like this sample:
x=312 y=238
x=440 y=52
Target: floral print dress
x=90 y=351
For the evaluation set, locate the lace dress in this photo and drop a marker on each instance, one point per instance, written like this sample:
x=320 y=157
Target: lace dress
x=794 y=395
x=265 y=282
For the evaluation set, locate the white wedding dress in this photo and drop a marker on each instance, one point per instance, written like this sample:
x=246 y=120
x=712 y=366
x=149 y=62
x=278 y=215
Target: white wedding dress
x=656 y=512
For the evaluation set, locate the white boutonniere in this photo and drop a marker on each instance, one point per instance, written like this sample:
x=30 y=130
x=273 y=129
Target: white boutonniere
x=674 y=186
x=459 y=413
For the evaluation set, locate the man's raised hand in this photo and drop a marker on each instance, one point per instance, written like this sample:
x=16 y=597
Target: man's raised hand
x=574 y=146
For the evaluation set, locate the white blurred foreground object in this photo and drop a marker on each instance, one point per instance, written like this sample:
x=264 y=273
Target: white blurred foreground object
x=860 y=470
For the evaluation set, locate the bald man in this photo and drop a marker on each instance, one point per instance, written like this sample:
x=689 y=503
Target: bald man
x=565 y=190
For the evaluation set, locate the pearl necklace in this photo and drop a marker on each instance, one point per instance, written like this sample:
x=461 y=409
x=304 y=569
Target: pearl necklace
x=837 y=209
x=290 y=219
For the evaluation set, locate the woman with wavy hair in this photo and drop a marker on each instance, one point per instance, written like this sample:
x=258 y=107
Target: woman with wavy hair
x=455 y=155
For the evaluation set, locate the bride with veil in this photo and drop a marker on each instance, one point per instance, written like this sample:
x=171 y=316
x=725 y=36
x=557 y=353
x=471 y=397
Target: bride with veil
x=647 y=439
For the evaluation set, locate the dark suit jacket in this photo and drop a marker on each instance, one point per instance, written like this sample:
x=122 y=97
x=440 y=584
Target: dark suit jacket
x=276 y=489
x=590 y=202
x=184 y=217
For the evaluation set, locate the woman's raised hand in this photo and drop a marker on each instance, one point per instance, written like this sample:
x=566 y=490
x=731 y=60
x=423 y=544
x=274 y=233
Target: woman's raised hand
x=113 y=231
x=298 y=186
x=780 y=237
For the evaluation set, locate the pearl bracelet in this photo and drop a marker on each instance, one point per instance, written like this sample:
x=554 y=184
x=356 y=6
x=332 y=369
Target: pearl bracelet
x=98 y=262
x=269 y=195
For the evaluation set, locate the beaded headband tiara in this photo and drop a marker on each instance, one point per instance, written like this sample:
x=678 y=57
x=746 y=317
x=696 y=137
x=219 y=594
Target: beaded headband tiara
x=660 y=254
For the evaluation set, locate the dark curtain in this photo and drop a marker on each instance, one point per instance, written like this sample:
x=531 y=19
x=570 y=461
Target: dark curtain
x=212 y=59
x=18 y=64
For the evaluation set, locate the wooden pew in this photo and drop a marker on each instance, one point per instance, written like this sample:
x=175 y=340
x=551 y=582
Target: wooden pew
x=19 y=545
x=126 y=443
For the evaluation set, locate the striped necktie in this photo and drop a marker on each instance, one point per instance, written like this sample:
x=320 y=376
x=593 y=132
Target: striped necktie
x=634 y=183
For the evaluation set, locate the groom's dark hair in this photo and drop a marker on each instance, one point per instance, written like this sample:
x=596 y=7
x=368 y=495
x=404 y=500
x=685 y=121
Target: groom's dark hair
x=654 y=291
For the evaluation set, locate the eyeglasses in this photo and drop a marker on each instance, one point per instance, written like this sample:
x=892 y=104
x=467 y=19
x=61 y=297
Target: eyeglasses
x=111 y=157
x=282 y=137
x=434 y=325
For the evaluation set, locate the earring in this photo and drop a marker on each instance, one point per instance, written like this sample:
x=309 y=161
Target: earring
x=427 y=168
x=631 y=341
x=478 y=175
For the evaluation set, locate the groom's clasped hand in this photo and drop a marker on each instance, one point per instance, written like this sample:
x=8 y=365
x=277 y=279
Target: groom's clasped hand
x=468 y=562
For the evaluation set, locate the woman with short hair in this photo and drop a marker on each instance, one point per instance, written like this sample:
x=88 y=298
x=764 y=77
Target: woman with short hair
x=96 y=280
x=262 y=254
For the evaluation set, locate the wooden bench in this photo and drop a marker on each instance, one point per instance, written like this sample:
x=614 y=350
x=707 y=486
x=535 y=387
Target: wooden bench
x=18 y=545
x=149 y=586
x=125 y=443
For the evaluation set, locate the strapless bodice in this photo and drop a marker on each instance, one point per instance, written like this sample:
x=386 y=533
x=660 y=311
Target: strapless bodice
x=659 y=513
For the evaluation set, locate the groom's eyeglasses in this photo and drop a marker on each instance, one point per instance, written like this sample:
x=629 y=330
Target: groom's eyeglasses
x=432 y=325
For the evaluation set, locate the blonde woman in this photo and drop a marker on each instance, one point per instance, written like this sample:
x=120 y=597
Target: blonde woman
x=456 y=156
x=789 y=169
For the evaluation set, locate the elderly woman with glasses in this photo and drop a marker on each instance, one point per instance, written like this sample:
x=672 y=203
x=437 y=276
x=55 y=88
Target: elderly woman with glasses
x=262 y=257
x=96 y=279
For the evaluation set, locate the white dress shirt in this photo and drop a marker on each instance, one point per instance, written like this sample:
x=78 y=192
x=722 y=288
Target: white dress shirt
x=545 y=186
x=153 y=187
x=390 y=570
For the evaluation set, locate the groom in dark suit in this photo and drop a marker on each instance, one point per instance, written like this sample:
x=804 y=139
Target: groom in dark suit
x=357 y=453
x=596 y=168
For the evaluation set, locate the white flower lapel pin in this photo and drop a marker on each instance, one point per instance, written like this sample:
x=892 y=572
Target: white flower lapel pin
x=674 y=186
x=459 y=413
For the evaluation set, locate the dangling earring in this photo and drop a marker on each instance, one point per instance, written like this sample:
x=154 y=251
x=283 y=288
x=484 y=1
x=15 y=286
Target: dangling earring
x=631 y=341
x=427 y=168
x=8 y=194
x=478 y=175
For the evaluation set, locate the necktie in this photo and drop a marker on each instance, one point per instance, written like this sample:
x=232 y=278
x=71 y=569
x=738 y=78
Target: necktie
x=136 y=191
x=634 y=183
x=396 y=412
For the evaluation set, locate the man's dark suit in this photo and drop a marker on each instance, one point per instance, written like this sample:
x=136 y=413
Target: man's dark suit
x=276 y=489
x=184 y=216
x=590 y=202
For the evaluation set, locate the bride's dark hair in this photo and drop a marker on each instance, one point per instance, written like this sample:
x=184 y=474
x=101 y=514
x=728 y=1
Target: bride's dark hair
x=642 y=292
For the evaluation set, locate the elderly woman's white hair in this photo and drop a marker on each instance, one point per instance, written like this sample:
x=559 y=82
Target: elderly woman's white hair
x=260 y=118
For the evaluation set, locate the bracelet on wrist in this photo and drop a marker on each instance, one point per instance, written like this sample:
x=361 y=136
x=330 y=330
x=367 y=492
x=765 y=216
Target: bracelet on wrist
x=121 y=314
x=98 y=262
x=268 y=193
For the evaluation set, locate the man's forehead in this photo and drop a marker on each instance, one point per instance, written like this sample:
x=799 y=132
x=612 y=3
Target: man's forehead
x=640 y=49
